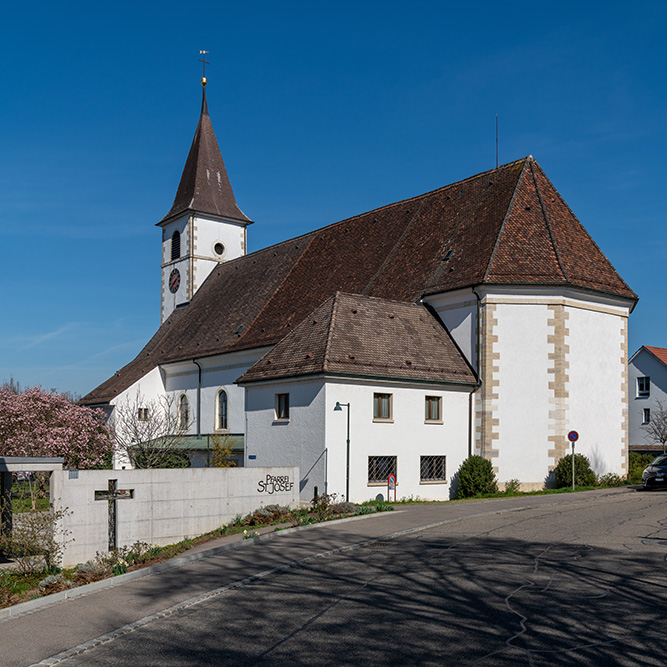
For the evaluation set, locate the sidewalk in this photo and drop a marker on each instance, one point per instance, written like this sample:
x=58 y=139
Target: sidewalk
x=59 y=625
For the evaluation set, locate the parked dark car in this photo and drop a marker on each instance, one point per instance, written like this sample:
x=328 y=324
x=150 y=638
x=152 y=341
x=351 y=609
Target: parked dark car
x=655 y=474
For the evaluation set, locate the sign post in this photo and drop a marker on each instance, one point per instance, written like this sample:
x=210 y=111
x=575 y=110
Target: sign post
x=573 y=436
x=391 y=484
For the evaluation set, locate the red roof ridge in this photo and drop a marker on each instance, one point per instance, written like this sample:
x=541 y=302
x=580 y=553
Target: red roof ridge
x=492 y=256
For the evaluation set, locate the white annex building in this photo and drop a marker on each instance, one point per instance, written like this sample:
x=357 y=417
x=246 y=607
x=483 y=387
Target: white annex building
x=480 y=318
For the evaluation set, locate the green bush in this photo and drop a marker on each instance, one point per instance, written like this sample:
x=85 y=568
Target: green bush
x=637 y=464
x=583 y=475
x=610 y=479
x=476 y=476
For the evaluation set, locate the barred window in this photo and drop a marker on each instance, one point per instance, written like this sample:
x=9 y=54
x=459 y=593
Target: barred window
x=433 y=409
x=382 y=406
x=282 y=406
x=432 y=469
x=380 y=467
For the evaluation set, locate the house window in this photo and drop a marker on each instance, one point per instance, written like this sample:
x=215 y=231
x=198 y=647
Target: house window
x=282 y=407
x=382 y=408
x=646 y=417
x=175 y=245
x=222 y=410
x=183 y=411
x=643 y=387
x=432 y=469
x=380 y=467
x=433 y=409
x=142 y=414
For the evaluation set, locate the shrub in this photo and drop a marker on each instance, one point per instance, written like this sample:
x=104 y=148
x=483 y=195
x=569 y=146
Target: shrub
x=512 y=486
x=610 y=479
x=583 y=475
x=637 y=464
x=476 y=476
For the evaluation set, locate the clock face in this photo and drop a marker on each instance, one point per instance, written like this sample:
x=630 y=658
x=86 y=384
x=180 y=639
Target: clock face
x=174 y=281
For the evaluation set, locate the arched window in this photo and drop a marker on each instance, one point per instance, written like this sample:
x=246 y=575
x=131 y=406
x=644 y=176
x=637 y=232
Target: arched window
x=222 y=410
x=175 y=245
x=184 y=411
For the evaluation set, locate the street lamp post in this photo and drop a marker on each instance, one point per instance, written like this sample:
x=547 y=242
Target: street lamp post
x=338 y=408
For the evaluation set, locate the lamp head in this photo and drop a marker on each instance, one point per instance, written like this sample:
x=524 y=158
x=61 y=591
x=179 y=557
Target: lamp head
x=338 y=408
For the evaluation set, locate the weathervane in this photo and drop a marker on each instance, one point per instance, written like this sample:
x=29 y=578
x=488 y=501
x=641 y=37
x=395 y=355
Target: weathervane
x=204 y=62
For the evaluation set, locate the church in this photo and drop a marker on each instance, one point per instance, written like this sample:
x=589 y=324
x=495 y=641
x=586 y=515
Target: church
x=479 y=318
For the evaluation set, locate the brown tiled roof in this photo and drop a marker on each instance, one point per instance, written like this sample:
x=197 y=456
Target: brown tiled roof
x=205 y=186
x=659 y=352
x=508 y=226
x=356 y=335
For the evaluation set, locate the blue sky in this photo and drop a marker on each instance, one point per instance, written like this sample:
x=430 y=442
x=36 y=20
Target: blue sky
x=322 y=111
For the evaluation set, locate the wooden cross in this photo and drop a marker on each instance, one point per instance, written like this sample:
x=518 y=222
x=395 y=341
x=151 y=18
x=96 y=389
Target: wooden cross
x=112 y=495
x=203 y=61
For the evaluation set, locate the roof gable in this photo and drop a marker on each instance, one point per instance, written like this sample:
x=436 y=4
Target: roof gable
x=355 y=335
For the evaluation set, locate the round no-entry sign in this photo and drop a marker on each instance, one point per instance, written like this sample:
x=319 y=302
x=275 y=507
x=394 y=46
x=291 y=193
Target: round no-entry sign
x=573 y=436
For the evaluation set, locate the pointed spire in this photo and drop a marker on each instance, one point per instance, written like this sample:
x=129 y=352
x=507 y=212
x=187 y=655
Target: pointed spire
x=204 y=186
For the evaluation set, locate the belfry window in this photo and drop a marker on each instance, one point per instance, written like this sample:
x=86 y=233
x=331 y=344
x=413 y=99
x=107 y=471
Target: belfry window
x=222 y=410
x=175 y=245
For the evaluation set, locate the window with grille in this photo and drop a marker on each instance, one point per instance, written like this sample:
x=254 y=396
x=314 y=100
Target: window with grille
x=175 y=245
x=282 y=407
x=433 y=408
x=142 y=414
x=382 y=406
x=222 y=410
x=184 y=411
x=380 y=467
x=432 y=469
x=643 y=387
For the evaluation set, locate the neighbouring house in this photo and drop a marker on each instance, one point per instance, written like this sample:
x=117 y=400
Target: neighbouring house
x=477 y=318
x=647 y=370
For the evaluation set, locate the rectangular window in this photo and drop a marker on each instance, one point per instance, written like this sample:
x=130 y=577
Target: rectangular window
x=643 y=387
x=282 y=407
x=433 y=409
x=432 y=469
x=646 y=416
x=379 y=469
x=142 y=414
x=382 y=407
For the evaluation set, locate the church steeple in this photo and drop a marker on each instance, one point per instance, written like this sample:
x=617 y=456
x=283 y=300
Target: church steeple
x=204 y=226
x=204 y=187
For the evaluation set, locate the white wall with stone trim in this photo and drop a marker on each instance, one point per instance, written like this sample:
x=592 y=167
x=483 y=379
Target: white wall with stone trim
x=315 y=436
x=167 y=505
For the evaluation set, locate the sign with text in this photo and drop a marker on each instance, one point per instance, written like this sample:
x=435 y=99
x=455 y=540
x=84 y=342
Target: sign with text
x=275 y=484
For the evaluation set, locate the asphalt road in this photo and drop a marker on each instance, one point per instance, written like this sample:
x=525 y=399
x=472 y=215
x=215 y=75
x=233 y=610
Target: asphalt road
x=570 y=581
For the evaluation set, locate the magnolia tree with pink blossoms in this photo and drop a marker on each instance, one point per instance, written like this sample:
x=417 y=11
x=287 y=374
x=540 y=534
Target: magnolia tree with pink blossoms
x=40 y=423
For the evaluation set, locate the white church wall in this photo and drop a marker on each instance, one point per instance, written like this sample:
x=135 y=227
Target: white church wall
x=458 y=312
x=523 y=394
x=219 y=372
x=407 y=436
x=298 y=441
x=166 y=506
x=182 y=295
x=596 y=396
x=149 y=389
x=207 y=233
x=645 y=364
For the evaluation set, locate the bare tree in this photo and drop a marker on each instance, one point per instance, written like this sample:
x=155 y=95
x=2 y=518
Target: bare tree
x=149 y=432
x=655 y=431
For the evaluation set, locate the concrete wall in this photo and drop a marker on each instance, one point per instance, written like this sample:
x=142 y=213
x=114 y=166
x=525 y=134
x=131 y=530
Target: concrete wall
x=167 y=505
x=645 y=364
x=315 y=436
